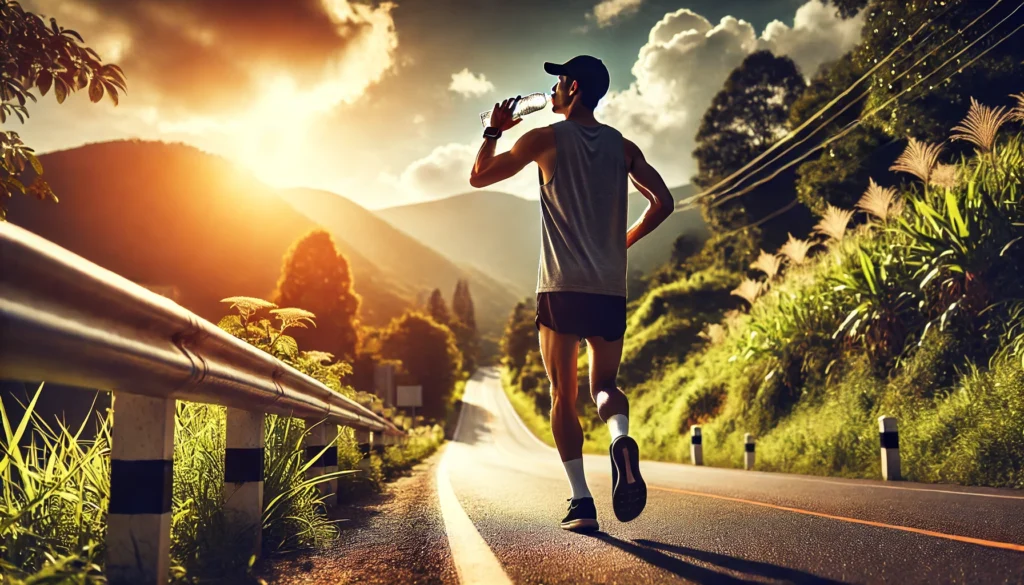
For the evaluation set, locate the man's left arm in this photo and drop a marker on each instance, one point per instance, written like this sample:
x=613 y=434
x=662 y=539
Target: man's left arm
x=490 y=168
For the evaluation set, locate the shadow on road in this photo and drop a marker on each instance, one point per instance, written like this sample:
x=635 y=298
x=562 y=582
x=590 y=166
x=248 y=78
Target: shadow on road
x=741 y=565
x=648 y=550
x=669 y=563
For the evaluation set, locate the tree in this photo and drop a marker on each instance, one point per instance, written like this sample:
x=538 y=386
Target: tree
x=840 y=173
x=746 y=117
x=520 y=336
x=428 y=354
x=316 y=277
x=437 y=309
x=464 y=325
x=36 y=56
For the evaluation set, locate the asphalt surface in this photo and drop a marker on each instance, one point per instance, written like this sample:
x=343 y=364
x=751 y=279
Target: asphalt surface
x=486 y=510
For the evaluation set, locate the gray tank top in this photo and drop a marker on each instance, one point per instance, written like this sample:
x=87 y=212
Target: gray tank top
x=583 y=213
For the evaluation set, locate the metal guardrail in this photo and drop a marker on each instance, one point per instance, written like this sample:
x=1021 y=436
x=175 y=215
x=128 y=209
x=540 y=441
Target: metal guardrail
x=66 y=320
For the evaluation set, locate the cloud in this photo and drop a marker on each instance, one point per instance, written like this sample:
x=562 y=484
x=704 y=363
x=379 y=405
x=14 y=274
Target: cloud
x=195 y=57
x=467 y=84
x=816 y=37
x=608 y=11
x=445 y=170
x=685 y=63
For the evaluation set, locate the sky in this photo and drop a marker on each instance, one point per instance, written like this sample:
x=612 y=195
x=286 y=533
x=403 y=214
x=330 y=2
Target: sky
x=380 y=101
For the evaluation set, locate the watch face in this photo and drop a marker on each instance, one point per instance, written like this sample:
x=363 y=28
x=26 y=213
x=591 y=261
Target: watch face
x=491 y=132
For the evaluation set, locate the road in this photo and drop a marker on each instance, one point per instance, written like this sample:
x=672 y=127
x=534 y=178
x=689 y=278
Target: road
x=502 y=493
x=486 y=510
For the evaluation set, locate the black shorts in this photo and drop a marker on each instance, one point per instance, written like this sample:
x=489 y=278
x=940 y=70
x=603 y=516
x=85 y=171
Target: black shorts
x=582 y=314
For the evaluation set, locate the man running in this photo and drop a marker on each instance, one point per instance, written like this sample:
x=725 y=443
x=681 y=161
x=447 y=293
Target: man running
x=581 y=284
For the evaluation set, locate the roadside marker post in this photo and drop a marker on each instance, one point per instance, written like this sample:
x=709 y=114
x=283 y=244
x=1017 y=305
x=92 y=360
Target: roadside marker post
x=890 y=441
x=748 y=451
x=696 y=448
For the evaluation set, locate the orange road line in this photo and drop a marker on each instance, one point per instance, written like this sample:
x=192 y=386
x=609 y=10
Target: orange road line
x=958 y=538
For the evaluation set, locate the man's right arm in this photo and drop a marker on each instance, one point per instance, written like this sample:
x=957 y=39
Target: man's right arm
x=653 y=188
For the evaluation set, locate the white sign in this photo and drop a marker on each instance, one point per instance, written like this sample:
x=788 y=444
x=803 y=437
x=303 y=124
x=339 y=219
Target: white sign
x=409 y=396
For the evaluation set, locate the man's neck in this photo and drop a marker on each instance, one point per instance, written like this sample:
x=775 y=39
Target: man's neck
x=581 y=116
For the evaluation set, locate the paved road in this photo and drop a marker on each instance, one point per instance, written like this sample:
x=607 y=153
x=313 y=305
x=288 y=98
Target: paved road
x=502 y=492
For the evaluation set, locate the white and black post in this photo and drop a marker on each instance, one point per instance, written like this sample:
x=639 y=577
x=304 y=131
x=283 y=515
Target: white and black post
x=696 y=448
x=364 y=439
x=315 y=443
x=243 y=474
x=890 y=440
x=748 y=451
x=331 y=460
x=139 y=520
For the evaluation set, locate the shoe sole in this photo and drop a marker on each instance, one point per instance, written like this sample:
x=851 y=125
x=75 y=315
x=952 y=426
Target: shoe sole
x=629 y=493
x=580 y=525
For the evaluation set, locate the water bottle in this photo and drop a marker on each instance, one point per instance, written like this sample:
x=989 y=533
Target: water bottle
x=529 y=104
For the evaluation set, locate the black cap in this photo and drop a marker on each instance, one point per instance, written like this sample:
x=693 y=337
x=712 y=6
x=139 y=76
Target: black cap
x=589 y=72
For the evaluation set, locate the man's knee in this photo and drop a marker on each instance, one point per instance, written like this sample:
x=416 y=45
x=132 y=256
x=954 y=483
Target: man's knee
x=563 y=392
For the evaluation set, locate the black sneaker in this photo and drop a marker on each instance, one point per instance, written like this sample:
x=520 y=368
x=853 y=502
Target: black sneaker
x=582 y=516
x=629 y=492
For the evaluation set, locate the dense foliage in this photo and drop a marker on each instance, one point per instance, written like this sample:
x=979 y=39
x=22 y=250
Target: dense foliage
x=35 y=55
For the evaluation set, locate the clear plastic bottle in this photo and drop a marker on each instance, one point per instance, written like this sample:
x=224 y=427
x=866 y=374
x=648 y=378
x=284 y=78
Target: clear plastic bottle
x=529 y=104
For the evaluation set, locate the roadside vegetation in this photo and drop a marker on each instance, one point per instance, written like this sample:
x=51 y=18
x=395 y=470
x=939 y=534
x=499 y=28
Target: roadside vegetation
x=891 y=283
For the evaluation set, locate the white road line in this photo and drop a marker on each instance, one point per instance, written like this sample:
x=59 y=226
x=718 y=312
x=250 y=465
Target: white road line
x=474 y=561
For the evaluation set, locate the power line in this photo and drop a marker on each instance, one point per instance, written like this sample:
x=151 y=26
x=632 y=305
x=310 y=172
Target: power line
x=853 y=125
x=863 y=95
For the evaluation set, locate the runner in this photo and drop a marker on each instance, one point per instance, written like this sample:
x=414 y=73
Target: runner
x=583 y=167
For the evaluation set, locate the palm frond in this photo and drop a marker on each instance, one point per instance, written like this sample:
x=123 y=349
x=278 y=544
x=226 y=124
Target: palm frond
x=1017 y=113
x=748 y=290
x=918 y=159
x=834 y=223
x=981 y=126
x=768 y=264
x=878 y=201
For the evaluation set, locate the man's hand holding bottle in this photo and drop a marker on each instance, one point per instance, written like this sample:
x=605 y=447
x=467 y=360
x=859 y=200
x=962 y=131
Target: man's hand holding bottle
x=502 y=116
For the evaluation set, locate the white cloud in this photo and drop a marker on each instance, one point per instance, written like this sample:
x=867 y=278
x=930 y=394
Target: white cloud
x=445 y=170
x=467 y=84
x=685 y=63
x=608 y=11
x=816 y=37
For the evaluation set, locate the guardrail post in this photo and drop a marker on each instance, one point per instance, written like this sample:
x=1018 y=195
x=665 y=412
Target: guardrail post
x=331 y=461
x=139 y=520
x=243 y=473
x=696 y=448
x=748 y=451
x=365 y=441
x=890 y=440
x=315 y=442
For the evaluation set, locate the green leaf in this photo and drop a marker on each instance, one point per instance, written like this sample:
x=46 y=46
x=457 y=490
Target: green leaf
x=34 y=161
x=60 y=89
x=95 y=90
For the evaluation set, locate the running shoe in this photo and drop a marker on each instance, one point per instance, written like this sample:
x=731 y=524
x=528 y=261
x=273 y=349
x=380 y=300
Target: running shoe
x=582 y=516
x=629 y=492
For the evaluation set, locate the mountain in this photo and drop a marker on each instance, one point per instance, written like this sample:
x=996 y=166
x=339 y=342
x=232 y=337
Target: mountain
x=499 y=233
x=402 y=257
x=195 y=226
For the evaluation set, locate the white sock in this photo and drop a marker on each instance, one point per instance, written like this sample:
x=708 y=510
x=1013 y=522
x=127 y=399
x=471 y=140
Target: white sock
x=577 y=480
x=618 y=424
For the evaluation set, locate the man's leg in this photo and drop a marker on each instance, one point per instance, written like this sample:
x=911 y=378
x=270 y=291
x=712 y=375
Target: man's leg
x=612 y=405
x=629 y=492
x=559 y=353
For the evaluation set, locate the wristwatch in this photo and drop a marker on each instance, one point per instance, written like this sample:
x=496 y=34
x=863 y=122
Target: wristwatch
x=492 y=132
